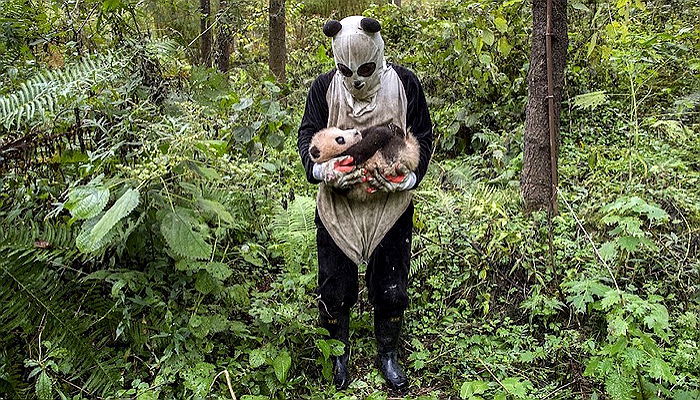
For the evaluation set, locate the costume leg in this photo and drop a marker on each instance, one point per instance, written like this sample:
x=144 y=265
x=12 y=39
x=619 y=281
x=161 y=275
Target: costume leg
x=387 y=282
x=337 y=290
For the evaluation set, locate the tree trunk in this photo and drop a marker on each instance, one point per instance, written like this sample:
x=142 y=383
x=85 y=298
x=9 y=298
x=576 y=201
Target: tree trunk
x=278 y=46
x=541 y=148
x=223 y=37
x=205 y=33
x=397 y=3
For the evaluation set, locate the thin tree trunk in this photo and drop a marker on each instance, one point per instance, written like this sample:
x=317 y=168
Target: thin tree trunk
x=278 y=46
x=541 y=149
x=223 y=38
x=205 y=33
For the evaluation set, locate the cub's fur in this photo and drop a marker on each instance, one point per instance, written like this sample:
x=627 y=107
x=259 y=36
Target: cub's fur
x=375 y=148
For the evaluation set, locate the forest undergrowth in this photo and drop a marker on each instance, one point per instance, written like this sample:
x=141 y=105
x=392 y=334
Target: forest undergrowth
x=158 y=239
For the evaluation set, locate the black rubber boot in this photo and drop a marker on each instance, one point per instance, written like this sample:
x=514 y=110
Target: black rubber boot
x=387 y=330
x=339 y=329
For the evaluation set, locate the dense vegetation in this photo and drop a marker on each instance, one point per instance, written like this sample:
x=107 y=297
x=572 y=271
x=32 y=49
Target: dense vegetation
x=157 y=235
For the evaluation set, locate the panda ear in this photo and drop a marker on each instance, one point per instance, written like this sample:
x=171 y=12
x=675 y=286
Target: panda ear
x=332 y=27
x=370 y=25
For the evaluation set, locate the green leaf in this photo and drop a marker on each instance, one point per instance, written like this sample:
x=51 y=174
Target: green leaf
x=337 y=347
x=515 y=387
x=87 y=201
x=377 y=396
x=217 y=209
x=581 y=292
x=487 y=37
x=218 y=147
x=205 y=283
x=111 y=5
x=657 y=319
x=188 y=265
x=617 y=326
x=629 y=243
x=198 y=378
x=589 y=101
x=611 y=298
x=219 y=270
x=592 y=44
x=93 y=238
x=177 y=230
x=577 y=5
x=83 y=241
x=485 y=58
x=281 y=365
x=43 y=387
x=205 y=172
x=501 y=24
x=618 y=387
x=325 y=348
x=608 y=250
x=256 y=358
x=504 y=47
x=652 y=212
x=243 y=134
x=243 y=104
x=471 y=388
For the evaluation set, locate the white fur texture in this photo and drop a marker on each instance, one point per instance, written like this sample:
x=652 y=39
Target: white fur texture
x=325 y=141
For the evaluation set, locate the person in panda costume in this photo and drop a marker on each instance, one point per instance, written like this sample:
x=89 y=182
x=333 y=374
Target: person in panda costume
x=361 y=92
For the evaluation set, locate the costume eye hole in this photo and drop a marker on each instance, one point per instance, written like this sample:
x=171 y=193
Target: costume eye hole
x=366 y=69
x=340 y=140
x=344 y=70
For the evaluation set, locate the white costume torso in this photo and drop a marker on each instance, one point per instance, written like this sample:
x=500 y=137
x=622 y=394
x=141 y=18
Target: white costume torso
x=358 y=227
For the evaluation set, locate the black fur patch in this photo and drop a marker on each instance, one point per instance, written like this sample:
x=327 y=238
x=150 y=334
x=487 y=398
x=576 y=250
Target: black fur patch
x=332 y=27
x=370 y=25
x=389 y=140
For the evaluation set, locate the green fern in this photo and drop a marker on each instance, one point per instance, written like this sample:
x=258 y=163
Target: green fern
x=296 y=223
x=40 y=98
x=294 y=229
x=461 y=175
x=40 y=291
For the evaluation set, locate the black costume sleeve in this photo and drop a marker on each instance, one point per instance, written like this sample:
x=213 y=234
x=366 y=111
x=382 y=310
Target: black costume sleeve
x=315 y=118
x=417 y=118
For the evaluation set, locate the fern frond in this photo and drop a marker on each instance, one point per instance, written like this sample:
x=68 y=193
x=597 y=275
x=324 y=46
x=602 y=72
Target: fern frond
x=689 y=101
x=38 y=98
x=294 y=229
x=36 y=284
x=295 y=223
x=461 y=175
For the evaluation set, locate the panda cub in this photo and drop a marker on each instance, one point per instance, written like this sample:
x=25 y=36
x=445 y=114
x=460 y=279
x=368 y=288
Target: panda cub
x=375 y=148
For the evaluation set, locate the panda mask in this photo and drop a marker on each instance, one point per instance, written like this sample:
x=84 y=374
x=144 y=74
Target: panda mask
x=358 y=50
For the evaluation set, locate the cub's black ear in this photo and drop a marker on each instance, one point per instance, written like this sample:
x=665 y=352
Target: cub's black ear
x=332 y=27
x=395 y=130
x=370 y=25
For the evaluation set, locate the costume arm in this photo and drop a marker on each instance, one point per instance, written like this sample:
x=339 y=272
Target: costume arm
x=315 y=118
x=417 y=119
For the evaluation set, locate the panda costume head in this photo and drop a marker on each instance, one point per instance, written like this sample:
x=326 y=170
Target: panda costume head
x=358 y=51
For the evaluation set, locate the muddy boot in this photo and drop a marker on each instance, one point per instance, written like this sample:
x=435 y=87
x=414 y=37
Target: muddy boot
x=387 y=330
x=339 y=329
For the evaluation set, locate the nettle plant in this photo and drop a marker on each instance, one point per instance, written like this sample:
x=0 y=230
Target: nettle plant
x=630 y=362
x=626 y=216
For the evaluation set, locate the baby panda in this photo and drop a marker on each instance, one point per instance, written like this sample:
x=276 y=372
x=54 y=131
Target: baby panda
x=375 y=148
